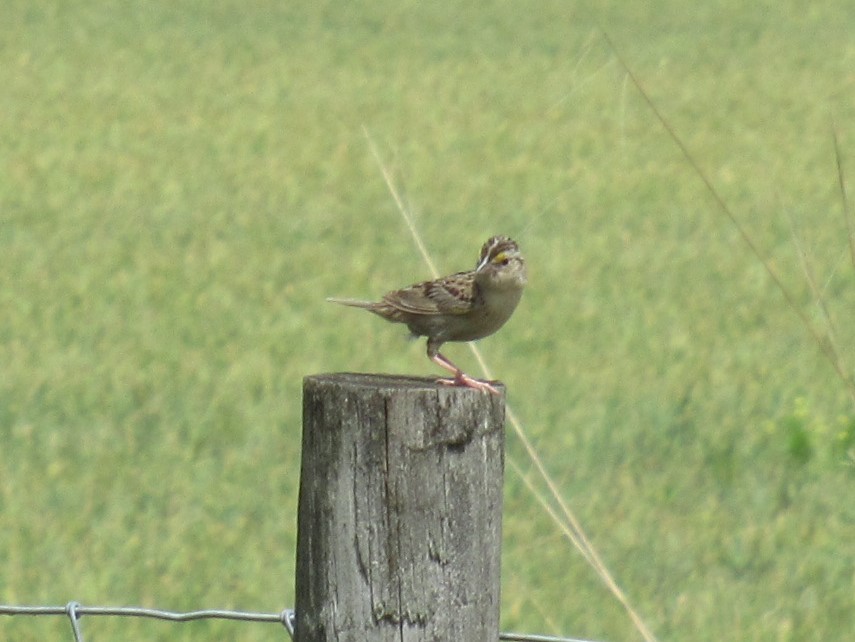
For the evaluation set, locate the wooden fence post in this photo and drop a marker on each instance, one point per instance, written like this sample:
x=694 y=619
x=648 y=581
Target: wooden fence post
x=400 y=511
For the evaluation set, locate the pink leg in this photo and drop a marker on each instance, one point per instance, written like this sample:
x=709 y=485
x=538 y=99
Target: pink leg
x=460 y=378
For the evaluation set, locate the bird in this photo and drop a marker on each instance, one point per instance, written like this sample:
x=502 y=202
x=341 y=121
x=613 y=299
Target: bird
x=464 y=306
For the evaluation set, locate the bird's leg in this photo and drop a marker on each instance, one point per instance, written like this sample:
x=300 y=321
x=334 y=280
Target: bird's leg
x=460 y=377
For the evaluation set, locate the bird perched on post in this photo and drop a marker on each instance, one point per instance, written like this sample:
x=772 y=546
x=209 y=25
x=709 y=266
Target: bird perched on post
x=460 y=307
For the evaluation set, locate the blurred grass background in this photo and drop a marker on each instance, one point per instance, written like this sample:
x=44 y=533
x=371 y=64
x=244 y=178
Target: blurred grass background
x=182 y=183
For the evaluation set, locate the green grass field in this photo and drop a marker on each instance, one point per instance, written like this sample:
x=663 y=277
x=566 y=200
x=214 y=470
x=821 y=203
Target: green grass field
x=182 y=183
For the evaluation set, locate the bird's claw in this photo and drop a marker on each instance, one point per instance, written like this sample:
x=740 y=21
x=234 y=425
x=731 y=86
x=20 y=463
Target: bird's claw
x=464 y=380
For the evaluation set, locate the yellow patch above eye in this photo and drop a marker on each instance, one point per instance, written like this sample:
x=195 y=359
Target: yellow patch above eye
x=501 y=256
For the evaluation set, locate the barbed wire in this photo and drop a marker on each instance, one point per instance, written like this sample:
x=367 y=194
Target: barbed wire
x=528 y=637
x=74 y=611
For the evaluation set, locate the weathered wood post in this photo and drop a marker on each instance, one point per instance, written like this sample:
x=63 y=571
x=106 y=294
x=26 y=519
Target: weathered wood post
x=399 y=520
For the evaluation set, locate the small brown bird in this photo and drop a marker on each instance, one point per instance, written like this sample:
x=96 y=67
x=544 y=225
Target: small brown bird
x=460 y=307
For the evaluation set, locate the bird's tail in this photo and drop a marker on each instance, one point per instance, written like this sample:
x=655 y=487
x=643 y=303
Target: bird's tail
x=354 y=303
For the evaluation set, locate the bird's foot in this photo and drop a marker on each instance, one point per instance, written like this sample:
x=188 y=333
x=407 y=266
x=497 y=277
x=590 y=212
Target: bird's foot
x=460 y=378
x=464 y=380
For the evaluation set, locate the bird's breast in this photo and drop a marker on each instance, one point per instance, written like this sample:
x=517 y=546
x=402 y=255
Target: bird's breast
x=488 y=315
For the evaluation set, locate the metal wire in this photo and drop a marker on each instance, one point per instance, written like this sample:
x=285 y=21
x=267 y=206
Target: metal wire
x=74 y=611
x=529 y=637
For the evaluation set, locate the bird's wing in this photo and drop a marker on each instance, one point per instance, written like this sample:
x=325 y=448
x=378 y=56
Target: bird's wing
x=449 y=295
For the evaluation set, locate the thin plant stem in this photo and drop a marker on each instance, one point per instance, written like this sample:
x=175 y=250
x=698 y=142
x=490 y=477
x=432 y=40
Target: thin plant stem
x=566 y=520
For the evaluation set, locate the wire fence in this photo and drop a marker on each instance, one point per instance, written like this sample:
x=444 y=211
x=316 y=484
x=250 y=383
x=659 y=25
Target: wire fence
x=74 y=611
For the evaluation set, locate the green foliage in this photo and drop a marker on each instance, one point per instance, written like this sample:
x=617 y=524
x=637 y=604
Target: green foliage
x=844 y=439
x=182 y=183
x=804 y=431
